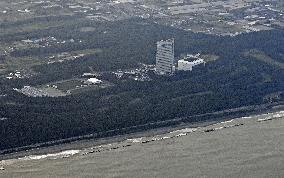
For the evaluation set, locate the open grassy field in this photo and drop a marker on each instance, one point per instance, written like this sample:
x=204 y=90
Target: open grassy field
x=261 y=56
x=19 y=63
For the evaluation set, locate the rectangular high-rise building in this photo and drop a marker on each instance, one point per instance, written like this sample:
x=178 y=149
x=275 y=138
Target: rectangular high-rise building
x=165 y=57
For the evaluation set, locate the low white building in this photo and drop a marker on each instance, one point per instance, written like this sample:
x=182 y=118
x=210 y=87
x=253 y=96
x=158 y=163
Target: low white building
x=94 y=81
x=188 y=65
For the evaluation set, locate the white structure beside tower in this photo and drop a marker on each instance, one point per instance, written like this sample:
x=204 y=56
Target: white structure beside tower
x=190 y=61
x=165 y=57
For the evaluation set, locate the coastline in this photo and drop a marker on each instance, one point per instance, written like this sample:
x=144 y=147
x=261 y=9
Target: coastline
x=242 y=147
x=91 y=142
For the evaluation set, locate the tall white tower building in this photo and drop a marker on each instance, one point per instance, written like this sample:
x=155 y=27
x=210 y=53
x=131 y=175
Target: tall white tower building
x=165 y=57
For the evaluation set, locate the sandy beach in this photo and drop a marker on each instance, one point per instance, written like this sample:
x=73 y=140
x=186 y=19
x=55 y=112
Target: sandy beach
x=243 y=147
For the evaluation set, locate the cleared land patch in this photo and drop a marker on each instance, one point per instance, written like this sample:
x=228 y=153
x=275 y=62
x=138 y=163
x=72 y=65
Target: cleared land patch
x=261 y=56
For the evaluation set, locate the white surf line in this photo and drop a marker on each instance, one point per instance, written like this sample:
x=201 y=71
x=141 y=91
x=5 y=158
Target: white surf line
x=59 y=155
x=141 y=140
x=225 y=122
x=63 y=154
x=180 y=133
x=272 y=116
x=136 y=140
x=3 y=118
x=185 y=130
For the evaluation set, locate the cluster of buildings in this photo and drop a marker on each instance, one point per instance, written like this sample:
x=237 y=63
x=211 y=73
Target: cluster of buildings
x=32 y=91
x=139 y=74
x=62 y=57
x=165 y=60
x=219 y=17
x=19 y=74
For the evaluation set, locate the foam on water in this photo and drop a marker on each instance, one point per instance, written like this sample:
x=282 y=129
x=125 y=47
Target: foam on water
x=51 y=156
x=136 y=140
x=276 y=115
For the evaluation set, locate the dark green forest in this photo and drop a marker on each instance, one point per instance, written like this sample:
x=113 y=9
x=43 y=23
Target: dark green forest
x=234 y=80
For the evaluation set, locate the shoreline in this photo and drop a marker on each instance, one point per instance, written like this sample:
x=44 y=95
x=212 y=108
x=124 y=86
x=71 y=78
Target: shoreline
x=239 y=143
x=91 y=142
